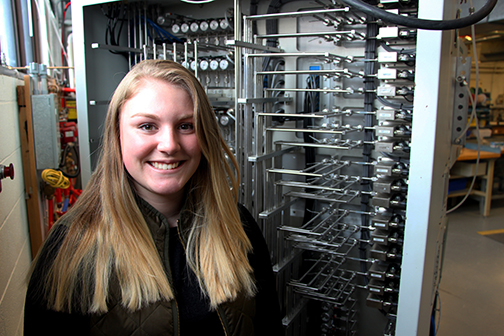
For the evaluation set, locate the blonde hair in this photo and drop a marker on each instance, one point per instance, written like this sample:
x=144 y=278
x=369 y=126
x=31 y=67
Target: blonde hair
x=108 y=236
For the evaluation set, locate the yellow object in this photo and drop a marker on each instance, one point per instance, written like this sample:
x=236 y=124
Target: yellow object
x=55 y=179
x=491 y=232
x=72 y=111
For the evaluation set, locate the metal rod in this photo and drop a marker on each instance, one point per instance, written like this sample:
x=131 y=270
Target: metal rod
x=292 y=115
x=317 y=145
x=196 y=58
x=314 y=90
x=303 y=130
x=311 y=34
x=295 y=14
x=305 y=54
x=235 y=43
x=145 y=25
x=129 y=24
x=311 y=72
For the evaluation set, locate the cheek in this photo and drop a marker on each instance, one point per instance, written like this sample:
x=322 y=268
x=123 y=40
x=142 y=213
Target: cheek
x=194 y=148
x=130 y=148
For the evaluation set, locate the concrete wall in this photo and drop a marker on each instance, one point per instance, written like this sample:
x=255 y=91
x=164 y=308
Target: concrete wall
x=15 y=252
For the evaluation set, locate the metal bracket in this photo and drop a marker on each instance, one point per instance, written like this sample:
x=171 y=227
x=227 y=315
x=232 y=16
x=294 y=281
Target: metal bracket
x=461 y=100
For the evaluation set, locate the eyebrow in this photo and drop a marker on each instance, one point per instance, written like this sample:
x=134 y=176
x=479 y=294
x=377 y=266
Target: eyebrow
x=146 y=115
x=155 y=116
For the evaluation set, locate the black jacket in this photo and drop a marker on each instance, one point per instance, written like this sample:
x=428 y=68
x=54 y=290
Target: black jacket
x=244 y=316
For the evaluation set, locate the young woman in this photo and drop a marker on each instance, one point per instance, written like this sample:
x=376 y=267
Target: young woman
x=156 y=244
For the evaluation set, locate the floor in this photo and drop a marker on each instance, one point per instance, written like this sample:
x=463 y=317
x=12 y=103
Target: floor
x=471 y=293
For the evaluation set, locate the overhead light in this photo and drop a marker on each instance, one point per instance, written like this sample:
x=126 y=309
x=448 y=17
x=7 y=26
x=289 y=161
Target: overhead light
x=197 y=2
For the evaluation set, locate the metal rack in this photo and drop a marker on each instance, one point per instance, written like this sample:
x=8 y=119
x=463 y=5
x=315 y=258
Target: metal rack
x=343 y=127
x=331 y=181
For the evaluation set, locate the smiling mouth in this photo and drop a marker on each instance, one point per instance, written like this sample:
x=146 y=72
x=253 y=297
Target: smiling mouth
x=165 y=166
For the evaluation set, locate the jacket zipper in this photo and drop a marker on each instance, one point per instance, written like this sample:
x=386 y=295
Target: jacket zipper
x=185 y=249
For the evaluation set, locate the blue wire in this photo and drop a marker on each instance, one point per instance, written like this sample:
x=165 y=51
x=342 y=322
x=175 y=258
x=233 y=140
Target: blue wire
x=154 y=27
x=163 y=32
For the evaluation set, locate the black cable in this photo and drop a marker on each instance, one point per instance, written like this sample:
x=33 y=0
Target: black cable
x=401 y=51
x=311 y=104
x=422 y=23
x=393 y=105
x=408 y=100
x=69 y=147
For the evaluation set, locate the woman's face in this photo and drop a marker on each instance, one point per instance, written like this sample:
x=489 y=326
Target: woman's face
x=159 y=146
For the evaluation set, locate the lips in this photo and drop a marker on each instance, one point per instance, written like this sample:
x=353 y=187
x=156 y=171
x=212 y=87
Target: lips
x=165 y=166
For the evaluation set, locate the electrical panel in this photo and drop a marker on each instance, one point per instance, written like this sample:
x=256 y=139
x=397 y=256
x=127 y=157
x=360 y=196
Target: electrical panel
x=45 y=118
x=344 y=127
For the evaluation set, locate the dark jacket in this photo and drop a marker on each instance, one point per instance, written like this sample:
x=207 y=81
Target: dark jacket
x=258 y=315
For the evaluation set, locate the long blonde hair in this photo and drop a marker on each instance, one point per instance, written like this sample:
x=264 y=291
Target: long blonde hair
x=108 y=236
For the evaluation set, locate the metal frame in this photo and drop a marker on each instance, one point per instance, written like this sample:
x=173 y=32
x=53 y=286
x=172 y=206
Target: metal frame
x=429 y=172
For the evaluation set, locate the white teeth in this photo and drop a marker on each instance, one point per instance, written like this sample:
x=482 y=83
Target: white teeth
x=165 y=166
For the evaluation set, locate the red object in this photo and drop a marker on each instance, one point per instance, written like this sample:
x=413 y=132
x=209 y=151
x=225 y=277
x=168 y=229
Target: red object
x=50 y=209
x=57 y=195
x=68 y=131
x=9 y=171
x=6 y=171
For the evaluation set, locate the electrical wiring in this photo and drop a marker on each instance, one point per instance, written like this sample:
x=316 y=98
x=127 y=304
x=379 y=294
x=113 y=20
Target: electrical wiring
x=388 y=48
x=160 y=32
x=55 y=179
x=310 y=106
x=394 y=105
x=423 y=23
x=69 y=148
x=407 y=99
x=114 y=14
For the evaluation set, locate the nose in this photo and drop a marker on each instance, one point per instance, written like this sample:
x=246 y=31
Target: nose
x=168 y=141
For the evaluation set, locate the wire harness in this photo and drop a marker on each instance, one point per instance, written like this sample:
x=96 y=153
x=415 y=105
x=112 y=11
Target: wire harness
x=423 y=23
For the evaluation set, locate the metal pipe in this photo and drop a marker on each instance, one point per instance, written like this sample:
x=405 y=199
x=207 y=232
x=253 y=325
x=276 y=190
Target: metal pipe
x=295 y=14
x=311 y=72
x=27 y=30
x=303 y=130
x=135 y=28
x=312 y=34
x=305 y=54
x=8 y=36
x=196 y=58
x=129 y=38
x=145 y=25
x=314 y=90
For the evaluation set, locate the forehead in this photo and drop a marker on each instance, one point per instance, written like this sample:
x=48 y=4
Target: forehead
x=158 y=96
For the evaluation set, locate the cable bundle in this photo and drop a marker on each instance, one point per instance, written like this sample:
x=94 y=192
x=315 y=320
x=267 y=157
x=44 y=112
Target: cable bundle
x=55 y=179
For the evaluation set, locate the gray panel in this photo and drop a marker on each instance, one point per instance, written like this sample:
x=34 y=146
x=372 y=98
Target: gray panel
x=45 y=131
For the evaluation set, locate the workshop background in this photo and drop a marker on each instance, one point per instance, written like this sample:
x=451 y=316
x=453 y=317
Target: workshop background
x=364 y=160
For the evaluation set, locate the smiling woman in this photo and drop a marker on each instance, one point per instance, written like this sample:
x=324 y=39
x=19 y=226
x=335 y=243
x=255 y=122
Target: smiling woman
x=157 y=241
x=159 y=145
